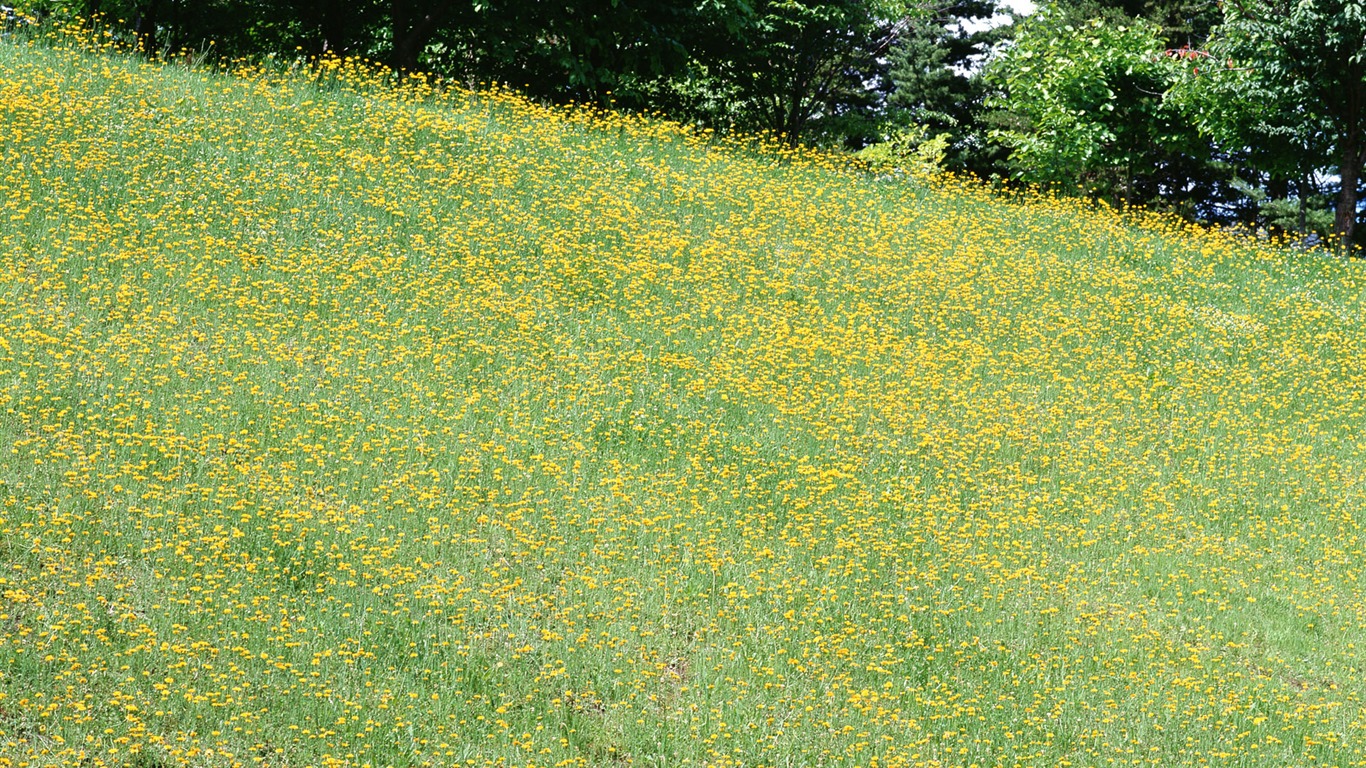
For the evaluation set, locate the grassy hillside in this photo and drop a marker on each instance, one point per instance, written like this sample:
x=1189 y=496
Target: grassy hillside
x=349 y=427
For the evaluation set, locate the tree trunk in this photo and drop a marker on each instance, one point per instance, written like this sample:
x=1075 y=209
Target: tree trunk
x=794 y=115
x=1278 y=189
x=1128 y=198
x=1352 y=126
x=1344 y=223
x=1302 y=187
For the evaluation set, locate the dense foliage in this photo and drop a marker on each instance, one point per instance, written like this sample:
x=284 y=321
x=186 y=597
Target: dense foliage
x=1248 y=113
x=935 y=86
x=1089 y=102
x=1271 y=103
x=1312 y=58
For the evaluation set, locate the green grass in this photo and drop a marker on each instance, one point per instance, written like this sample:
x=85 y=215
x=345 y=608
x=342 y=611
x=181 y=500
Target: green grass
x=355 y=425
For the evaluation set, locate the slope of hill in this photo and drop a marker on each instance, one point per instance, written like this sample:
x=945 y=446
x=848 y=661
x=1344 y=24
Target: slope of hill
x=347 y=427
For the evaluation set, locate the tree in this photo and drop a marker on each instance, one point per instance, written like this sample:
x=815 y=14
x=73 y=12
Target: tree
x=224 y=27
x=1088 y=106
x=794 y=68
x=1278 y=144
x=935 y=78
x=1310 y=56
x=594 y=50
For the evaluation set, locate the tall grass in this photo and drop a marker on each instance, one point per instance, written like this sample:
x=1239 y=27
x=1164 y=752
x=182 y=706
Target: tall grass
x=352 y=426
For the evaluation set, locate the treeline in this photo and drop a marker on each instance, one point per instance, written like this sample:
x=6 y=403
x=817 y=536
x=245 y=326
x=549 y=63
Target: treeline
x=1251 y=112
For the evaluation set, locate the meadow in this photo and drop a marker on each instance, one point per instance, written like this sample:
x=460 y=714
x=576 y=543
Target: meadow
x=356 y=425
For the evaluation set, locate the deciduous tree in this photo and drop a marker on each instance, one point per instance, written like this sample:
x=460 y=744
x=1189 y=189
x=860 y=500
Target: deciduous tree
x=1309 y=56
x=1088 y=100
x=791 y=67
